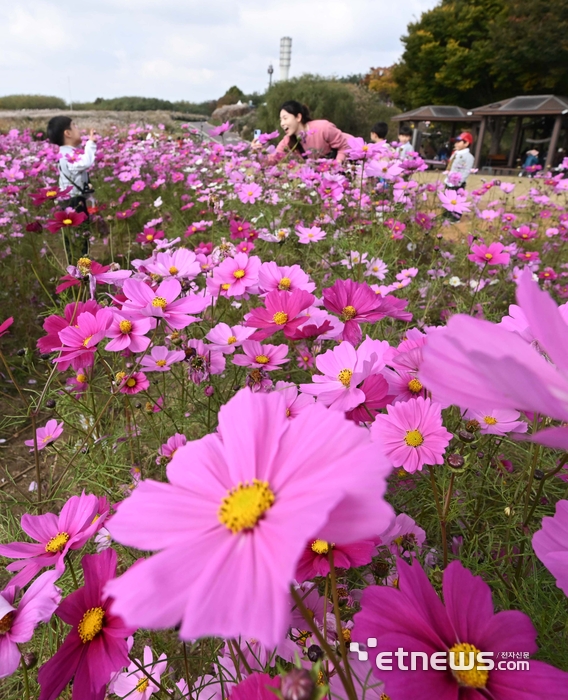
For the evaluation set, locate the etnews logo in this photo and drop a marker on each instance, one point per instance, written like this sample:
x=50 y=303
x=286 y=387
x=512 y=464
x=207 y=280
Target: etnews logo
x=457 y=660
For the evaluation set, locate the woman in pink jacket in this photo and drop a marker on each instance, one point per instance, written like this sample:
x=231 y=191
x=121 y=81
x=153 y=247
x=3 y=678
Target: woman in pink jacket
x=306 y=136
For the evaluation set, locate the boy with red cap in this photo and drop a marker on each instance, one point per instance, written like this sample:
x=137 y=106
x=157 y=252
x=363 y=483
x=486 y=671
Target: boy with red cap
x=461 y=162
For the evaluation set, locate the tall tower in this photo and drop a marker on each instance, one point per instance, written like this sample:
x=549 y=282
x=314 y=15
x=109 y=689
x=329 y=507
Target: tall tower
x=285 y=56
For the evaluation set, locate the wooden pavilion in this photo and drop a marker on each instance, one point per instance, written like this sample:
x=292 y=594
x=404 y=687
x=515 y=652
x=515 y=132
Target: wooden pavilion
x=438 y=113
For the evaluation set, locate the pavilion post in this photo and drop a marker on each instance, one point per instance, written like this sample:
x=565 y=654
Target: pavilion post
x=479 y=143
x=515 y=143
x=553 y=142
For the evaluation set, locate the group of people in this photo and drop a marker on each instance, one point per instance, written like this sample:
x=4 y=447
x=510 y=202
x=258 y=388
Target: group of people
x=303 y=136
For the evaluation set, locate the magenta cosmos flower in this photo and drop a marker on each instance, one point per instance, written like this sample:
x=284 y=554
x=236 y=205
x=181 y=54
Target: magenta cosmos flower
x=551 y=545
x=161 y=359
x=46 y=435
x=357 y=303
x=78 y=520
x=129 y=333
x=169 y=448
x=136 y=684
x=17 y=624
x=249 y=193
x=491 y=254
x=53 y=324
x=5 y=325
x=257 y=686
x=282 y=313
x=315 y=559
x=163 y=303
x=235 y=275
x=80 y=341
x=65 y=219
x=411 y=434
x=412 y=617
x=132 y=383
x=232 y=497
x=267 y=357
x=95 y=648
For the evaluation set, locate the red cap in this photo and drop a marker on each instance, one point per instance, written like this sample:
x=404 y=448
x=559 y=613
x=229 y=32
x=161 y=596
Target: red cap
x=465 y=136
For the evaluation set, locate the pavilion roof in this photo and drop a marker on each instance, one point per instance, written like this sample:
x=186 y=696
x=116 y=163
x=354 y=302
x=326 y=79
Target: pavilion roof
x=525 y=105
x=437 y=113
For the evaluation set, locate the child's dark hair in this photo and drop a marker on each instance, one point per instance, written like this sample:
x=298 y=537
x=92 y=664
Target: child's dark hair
x=56 y=129
x=381 y=129
x=404 y=130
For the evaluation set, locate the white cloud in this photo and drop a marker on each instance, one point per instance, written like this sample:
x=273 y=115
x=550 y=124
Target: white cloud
x=190 y=49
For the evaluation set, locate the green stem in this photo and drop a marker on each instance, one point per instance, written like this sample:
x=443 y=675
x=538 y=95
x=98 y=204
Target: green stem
x=25 y=677
x=73 y=574
x=335 y=598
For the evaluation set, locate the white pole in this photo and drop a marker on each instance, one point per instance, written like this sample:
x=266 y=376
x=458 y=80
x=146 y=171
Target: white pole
x=70 y=99
x=285 y=56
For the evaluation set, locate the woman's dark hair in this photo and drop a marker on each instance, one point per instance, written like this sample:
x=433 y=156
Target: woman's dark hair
x=56 y=129
x=296 y=108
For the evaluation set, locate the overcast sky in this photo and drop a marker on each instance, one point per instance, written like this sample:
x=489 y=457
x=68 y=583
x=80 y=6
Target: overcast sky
x=189 y=49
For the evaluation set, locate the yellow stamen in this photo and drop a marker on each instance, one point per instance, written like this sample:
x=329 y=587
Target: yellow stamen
x=238 y=274
x=159 y=302
x=320 y=547
x=225 y=286
x=131 y=382
x=345 y=377
x=490 y=420
x=81 y=378
x=142 y=684
x=91 y=624
x=57 y=543
x=119 y=377
x=413 y=438
x=414 y=386
x=232 y=339
x=349 y=312
x=161 y=363
x=149 y=236
x=67 y=222
x=173 y=270
x=262 y=359
x=488 y=256
x=125 y=326
x=86 y=341
x=346 y=634
x=51 y=193
x=244 y=506
x=284 y=283
x=280 y=318
x=473 y=678
x=84 y=265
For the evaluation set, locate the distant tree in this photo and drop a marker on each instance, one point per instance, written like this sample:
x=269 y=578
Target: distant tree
x=381 y=81
x=231 y=97
x=32 y=102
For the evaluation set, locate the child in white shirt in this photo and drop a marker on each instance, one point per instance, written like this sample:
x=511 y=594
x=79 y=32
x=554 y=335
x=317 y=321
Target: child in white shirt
x=460 y=163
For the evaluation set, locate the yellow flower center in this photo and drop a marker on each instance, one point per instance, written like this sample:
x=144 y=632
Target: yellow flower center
x=91 y=624
x=473 y=678
x=161 y=363
x=6 y=623
x=320 y=547
x=149 y=236
x=262 y=359
x=57 y=543
x=51 y=193
x=84 y=265
x=384 y=696
x=131 y=382
x=414 y=386
x=86 y=341
x=125 y=326
x=232 y=339
x=488 y=256
x=346 y=634
x=47 y=438
x=67 y=222
x=225 y=286
x=490 y=420
x=142 y=684
x=454 y=201
x=345 y=377
x=119 y=376
x=159 y=302
x=284 y=283
x=413 y=438
x=245 y=504
x=81 y=378
x=173 y=270
x=280 y=318
x=349 y=312
x=238 y=274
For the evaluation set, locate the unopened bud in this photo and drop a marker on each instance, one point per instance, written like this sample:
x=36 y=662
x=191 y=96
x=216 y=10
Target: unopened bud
x=30 y=659
x=50 y=403
x=297 y=684
x=455 y=461
x=466 y=436
x=538 y=474
x=315 y=653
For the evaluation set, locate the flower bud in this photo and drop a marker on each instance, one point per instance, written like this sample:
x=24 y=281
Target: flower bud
x=538 y=474
x=30 y=659
x=315 y=653
x=50 y=403
x=466 y=436
x=455 y=461
x=297 y=684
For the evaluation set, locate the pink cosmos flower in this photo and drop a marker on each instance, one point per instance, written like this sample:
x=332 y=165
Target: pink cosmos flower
x=403 y=385
x=239 y=229
x=53 y=324
x=551 y=545
x=377 y=396
x=249 y=193
x=498 y=368
x=135 y=681
x=295 y=402
x=169 y=448
x=80 y=341
x=149 y=235
x=281 y=314
x=315 y=559
x=413 y=617
x=79 y=383
x=129 y=333
x=230 y=497
x=95 y=648
x=161 y=359
x=203 y=360
x=236 y=275
x=411 y=434
x=18 y=623
x=5 y=325
x=65 y=219
x=272 y=277
x=95 y=273
x=256 y=687
x=181 y=264
x=454 y=202
x=164 y=302
x=402 y=531
x=343 y=369
x=310 y=235
x=217 y=131
x=46 y=435
x=498 y=421
x=491 y=254
x=266 y=357
x=133 y=383
x=377 y=268
x=356 y=303
x=78 y=520
x=226 y=338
